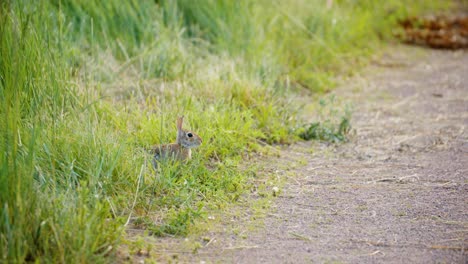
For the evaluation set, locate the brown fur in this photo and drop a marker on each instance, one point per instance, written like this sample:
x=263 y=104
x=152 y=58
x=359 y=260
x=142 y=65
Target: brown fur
x=172 y=150
x=181 y=150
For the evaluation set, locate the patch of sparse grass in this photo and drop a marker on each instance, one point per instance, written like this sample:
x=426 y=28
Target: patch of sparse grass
x=87 y=86
x=327 y=131
x=333 y=125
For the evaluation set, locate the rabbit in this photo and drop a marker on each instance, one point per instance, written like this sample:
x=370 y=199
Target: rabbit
x=181 y=150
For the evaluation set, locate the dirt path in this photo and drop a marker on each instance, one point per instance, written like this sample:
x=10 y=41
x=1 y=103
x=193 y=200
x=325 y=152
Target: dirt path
x=396 y=193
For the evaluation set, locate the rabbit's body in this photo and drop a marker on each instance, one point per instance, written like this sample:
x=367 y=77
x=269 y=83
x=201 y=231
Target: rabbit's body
x=181 y=150
x=173 y=150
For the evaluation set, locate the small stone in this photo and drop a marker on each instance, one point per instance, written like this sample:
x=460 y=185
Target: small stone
x=275 y=191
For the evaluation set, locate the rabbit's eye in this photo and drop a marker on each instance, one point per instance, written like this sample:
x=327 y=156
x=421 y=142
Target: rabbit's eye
x=189 y=134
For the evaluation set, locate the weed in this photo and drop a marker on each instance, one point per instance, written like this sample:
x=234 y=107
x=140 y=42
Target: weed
x=332 y=127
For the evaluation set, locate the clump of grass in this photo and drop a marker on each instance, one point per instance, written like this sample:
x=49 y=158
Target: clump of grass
x=333 y=124
x=326 y=131
x=86 y=86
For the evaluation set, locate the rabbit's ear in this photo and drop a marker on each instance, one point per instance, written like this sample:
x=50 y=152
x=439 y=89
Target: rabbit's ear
x=179 y=122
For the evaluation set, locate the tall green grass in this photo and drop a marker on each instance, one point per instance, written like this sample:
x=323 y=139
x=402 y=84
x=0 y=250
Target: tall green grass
x=87 y=86
x=47 y=210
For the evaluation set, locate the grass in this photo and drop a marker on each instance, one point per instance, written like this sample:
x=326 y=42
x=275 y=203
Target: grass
x=332 y=125
x=86 y=86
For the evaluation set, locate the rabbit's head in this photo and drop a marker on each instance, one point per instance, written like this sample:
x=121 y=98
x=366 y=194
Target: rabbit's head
x=186 y=139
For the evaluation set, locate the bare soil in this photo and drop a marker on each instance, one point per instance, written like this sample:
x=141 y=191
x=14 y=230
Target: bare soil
x=396 y=193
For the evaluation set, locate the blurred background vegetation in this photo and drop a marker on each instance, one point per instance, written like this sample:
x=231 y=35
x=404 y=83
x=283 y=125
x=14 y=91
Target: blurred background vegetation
x=86 y=86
